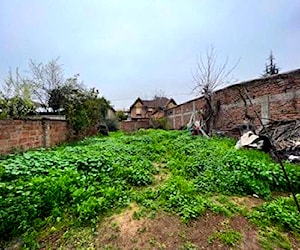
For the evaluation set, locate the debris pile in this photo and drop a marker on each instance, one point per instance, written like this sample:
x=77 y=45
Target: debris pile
x=285 y=136
x=251 y=140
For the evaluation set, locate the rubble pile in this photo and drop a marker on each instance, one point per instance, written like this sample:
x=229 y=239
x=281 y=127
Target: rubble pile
x=285 y=136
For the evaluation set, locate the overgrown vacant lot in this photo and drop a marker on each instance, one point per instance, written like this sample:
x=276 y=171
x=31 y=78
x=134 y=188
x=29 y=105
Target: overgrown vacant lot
x=149 y=190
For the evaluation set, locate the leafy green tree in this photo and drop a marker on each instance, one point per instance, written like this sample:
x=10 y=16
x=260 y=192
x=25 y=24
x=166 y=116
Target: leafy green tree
x=83 y=107
x=121 y=115
x=15 y=107
x=19 y=91
x=60 y=95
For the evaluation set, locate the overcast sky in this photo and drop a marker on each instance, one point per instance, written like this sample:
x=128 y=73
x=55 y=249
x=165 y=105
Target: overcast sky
x=131 y=48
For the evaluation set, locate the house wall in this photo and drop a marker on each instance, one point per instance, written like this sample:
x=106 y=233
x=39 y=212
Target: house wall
x=158 y=115
x=134 y=113
x=171 y=105
x=274 y=98
x=27 y=134
x=110 y=114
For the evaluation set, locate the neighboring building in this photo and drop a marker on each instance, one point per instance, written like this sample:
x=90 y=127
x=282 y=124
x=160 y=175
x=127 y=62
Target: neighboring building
x=111 y=113
x=145 y=109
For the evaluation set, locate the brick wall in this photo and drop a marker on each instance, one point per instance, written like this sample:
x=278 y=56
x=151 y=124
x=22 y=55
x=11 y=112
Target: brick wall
x=58 y=132
x=27 y=134
x=134 y=125
x=274 y=98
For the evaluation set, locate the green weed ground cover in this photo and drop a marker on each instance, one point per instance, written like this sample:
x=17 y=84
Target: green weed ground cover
x=97 y=176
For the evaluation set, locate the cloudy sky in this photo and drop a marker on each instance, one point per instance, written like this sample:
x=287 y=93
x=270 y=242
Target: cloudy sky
x=131 y=48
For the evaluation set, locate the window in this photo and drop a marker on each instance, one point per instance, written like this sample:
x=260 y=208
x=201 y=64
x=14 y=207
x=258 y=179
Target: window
x=138 y=111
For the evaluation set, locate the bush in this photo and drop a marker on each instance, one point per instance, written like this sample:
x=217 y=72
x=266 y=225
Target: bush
x=160 y=123
x=112 y=124
x=15 y=107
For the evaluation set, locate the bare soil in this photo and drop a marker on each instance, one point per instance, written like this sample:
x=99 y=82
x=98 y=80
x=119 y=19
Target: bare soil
x=162 y=231
x=167 y=231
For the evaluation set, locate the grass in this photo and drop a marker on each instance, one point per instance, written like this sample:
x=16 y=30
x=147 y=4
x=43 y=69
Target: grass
x=228 y=237
x=270 y=239
x=69 y=189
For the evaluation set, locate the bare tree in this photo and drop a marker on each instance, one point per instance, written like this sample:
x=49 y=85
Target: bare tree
x=159 y=94
x=15 y=97
x=15 y=85
x=44 y=78
x=209 y=75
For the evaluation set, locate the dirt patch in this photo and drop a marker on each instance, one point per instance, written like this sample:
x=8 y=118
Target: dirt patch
x=167 y=231
x=199 y=231
x=248 y=202
x=294 y=241
x=121 y=228
x=53 y=240
x=162 y=231
x=249 y=232
x=161 y=177
x=125 y=232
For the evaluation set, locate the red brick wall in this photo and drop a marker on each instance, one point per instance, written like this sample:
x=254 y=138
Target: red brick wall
x=134 y=125
x=58 y=132
x=277 y=97
x=27 y=134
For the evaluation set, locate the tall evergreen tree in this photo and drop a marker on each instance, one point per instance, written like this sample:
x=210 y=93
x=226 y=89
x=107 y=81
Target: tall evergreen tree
x=271 y=68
